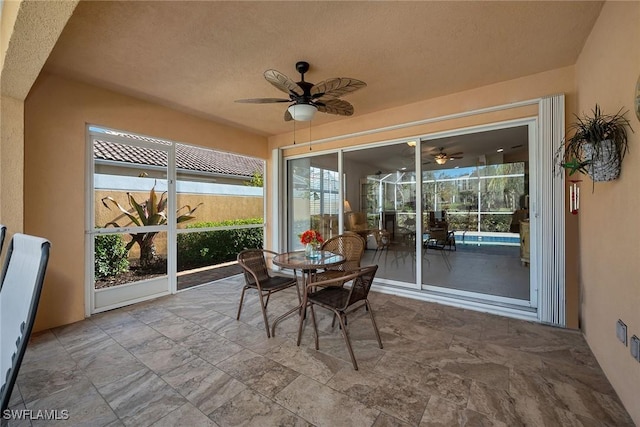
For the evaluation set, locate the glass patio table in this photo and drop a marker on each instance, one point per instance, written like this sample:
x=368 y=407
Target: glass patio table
x=308 y=266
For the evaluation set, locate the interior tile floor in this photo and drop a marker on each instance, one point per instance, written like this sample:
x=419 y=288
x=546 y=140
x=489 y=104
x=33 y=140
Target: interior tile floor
x=184 y=360
x=486 y=269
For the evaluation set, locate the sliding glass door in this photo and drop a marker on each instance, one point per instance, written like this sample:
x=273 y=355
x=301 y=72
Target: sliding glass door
x=473 y=216
x=462 y=231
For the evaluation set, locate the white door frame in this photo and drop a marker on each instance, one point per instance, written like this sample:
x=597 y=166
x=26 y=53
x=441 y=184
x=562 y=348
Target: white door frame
x=106 y=299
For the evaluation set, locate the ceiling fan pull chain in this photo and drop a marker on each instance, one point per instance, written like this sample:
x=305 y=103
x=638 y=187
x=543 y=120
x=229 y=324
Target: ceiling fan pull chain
x=309 y=135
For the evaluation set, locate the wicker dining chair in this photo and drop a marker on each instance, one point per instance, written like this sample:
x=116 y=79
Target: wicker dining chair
x=258 y=277
x=332 y=295
x=351 y=247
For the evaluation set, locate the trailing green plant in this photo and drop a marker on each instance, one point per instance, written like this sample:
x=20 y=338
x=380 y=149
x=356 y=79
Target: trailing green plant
x=200 y=249
x=110 y=256
x=588 y=142
x=148 y=213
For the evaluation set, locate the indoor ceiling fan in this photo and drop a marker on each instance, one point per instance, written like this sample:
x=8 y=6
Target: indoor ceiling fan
x=307 y=98
x=441 y=157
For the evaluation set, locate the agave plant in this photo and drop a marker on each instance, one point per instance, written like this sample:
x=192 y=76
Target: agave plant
x=148 y=213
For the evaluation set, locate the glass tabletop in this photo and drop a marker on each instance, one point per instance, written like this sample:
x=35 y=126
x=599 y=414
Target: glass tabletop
x=299 y=261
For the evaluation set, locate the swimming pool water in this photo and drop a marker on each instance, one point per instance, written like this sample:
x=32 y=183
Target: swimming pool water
x=488 y=239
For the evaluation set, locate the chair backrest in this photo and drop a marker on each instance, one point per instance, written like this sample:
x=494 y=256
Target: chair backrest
x=361 y=285
x=22 y=279
x=254 y=264
x=351 y=246
x=360 y=279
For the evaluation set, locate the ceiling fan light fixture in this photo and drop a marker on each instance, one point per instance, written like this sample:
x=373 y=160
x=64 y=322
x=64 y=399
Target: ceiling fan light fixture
x=302 y=112
x=441 y=158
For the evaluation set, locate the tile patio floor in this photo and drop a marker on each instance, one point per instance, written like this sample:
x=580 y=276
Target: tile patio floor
x=184 y=360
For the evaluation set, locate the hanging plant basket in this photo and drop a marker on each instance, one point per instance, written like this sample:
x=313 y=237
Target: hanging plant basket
x=604 y=161
x=598 y=145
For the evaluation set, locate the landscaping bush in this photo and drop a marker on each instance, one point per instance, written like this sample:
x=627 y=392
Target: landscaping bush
x=110 y=256
x=489 y=222
x=200 y=249
x=499 y=223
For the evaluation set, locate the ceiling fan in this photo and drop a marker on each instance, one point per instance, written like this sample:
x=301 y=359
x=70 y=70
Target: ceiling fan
x=441 y=157
x=307 y=98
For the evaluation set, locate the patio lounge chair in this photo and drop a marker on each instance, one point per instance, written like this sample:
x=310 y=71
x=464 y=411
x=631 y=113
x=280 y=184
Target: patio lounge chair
x=22 y=279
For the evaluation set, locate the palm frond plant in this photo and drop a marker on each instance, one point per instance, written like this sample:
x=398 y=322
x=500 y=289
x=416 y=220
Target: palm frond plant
x=148 y=213
x=597 y=146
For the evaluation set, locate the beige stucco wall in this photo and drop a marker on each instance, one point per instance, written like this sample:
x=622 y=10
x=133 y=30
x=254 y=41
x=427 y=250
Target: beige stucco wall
x=56 y=112
x=213 y=207
x=606 y=73
x=509 y=92
x=11 y=163
x=11 y=135
x=22 y=55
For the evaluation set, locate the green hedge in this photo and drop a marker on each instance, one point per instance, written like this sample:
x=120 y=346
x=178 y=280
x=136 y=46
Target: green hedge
x=110 y=256
x=201 y=249
x=489 y=222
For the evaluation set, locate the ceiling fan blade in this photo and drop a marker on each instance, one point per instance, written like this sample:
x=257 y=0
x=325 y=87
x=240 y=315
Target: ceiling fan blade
x=408 y=152
x=455 y=157
x=455 y=154
x=262 y=100
x=283 y=82
x=336 y=87
x=335 y=106
x=287 y=116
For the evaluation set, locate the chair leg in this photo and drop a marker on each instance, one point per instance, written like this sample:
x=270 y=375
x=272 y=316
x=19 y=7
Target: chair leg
x=263 y=306
x=267 y=301
x=373 y=321
x=302 y=319
x=315 y=326
x=297 y=287
x=346 y=340
x=241 y=300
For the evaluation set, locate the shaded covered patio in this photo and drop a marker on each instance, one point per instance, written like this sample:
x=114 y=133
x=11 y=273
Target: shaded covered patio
x=184 y=360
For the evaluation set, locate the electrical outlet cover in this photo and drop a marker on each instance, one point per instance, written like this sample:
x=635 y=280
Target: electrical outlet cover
x=635 y=347
x=621 y=332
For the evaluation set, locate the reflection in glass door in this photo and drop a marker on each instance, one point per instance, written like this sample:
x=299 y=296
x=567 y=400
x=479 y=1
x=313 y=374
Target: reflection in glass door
x=386 y=195
x=313 y=197
x=475 y=209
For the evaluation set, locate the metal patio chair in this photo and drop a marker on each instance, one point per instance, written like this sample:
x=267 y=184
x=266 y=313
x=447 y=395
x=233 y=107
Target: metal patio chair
x=332 y=295
x=257 y=276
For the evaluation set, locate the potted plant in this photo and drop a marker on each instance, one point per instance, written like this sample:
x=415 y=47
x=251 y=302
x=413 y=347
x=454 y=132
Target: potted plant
x=598 y=145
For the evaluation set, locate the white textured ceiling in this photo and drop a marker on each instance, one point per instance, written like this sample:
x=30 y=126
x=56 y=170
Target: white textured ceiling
x=201 y=56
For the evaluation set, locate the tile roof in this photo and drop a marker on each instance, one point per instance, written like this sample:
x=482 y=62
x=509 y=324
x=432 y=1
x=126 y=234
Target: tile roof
x=187 y=157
